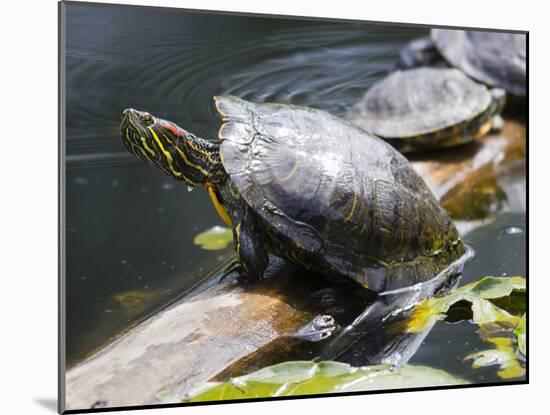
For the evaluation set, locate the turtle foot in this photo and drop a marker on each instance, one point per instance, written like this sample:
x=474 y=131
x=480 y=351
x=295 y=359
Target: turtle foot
x=238 y=274
x=233 y=267
x=317 y=329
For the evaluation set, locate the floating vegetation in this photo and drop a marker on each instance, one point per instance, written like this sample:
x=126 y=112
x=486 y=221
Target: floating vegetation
x=304 y=378
x=483 y=310
x=134 y=299
x=502 y=355
x=520 y=333
x=214 y=239
x=496 y=305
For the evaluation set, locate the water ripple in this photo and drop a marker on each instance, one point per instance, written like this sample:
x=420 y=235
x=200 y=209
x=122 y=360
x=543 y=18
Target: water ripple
x=173 y=66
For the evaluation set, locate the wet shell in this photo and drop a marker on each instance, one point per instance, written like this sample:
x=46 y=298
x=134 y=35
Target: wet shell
x=338 y=199
x=419 y=102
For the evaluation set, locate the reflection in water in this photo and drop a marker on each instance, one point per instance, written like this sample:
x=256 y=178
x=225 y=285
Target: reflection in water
x=172 y=63
x=511 y=230
x=368 y=340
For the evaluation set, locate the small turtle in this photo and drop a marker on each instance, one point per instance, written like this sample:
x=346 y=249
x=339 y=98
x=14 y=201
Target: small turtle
x=496 y=59
x=308 y=187
x=426 y=108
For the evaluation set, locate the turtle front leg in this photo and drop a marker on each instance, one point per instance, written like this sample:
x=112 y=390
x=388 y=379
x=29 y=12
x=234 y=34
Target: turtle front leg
x=249 y=245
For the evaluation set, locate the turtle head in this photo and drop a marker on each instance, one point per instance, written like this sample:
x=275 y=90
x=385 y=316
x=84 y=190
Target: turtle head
x=177 y=152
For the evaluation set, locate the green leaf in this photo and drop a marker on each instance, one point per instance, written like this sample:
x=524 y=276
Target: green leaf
x=485 y=312
x=304 y=377
x=407 y=377
x=496 y=323
x=296 y=371
x=519 y=283
x=503 y=356
x=477 y=294
x=214 y=239
x=520 y=335
x=491 y=287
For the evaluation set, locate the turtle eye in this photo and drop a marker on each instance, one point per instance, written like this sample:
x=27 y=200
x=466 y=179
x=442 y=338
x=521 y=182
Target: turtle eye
x=146 y=118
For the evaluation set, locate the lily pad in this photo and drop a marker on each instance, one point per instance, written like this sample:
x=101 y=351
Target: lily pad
x=297 y=378
x=479 y=301
x=478 y=294
x=214 y=239
x=503 y=356
x=520 y=335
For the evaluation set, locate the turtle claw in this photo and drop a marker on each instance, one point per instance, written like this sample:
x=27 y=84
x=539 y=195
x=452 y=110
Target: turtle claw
x=233 y=266
x=317 y=329
x=242 y=275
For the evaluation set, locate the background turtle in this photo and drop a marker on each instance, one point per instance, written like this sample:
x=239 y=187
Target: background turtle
x=494 y=58
x=426 y=108
x=420 y=52
x=308 y=187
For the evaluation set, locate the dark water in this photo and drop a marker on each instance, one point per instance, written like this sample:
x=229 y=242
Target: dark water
x=130 y=228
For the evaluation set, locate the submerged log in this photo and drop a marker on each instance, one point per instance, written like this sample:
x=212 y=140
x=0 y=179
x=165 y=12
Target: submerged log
x=226 y=326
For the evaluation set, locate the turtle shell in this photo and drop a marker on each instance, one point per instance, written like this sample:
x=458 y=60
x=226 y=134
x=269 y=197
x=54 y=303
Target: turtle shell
x=417 y=102
x=345 y=201
x=494 y=58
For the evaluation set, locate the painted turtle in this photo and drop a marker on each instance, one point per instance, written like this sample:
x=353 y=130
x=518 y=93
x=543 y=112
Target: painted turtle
x=304 y=185
x=425 y=108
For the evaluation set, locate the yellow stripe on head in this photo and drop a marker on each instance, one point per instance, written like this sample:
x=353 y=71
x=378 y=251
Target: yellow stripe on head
x=146 y=147
x=184 y=156
x=169 y=158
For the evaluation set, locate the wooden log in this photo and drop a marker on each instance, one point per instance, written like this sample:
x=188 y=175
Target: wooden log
x=194 y=339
